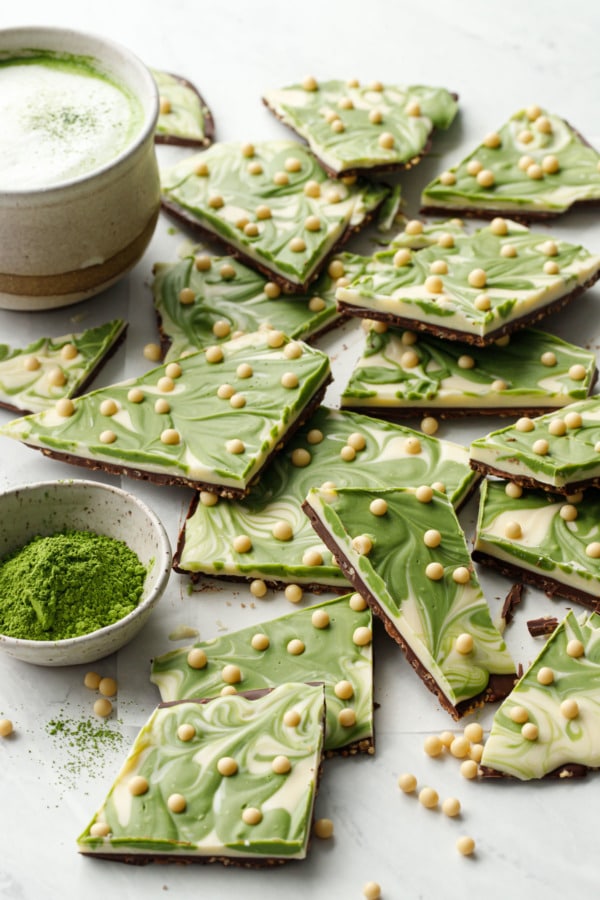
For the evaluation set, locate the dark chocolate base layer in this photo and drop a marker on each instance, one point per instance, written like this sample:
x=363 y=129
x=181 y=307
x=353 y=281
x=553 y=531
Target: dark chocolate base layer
x=144 y=859
x=402 y=413
x=565 y=772
x=452 y=334
x=550 y=586
x=528 y=481
x=523 y=216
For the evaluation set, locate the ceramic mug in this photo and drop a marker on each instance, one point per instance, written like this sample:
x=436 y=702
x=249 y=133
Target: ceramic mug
x=70 y=238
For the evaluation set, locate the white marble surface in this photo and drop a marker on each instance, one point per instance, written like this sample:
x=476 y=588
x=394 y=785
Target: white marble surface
x=532 y=840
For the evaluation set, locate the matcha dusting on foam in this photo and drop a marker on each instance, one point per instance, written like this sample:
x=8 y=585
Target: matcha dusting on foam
x=56 y=123
x=62 y=117
x=68 y=584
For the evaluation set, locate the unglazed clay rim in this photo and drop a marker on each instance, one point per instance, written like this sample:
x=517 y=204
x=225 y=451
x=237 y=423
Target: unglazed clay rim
x=82 y=649
x=70 y=37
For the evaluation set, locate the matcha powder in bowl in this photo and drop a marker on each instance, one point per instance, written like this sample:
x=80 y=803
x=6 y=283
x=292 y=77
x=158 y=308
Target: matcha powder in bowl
x=68 y=584
x=82 y=565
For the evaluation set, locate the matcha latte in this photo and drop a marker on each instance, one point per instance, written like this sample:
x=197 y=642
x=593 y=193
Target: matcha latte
x=62 y=118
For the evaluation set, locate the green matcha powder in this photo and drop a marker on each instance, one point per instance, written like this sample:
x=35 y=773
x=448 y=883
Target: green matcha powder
x=68 y=584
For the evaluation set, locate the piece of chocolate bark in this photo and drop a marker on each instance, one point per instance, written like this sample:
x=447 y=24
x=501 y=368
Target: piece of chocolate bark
x=329 y=642
x=403 y=550
x=371 y=127
x=557 y=451
x=534 y=167
x=548 y=725
x=211 y=421
x=474 y=288
x=35 y=377
x=544 y=539
x=270 y=204
x=403 y=373
x=183 y=116
x=230 y=780
x=511 y=601
x=542 y=626
x=204 y=299
x=332 y=447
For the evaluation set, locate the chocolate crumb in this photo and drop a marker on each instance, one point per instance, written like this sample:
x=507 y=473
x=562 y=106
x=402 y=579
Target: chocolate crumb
x=542 y=626
x=513 y=598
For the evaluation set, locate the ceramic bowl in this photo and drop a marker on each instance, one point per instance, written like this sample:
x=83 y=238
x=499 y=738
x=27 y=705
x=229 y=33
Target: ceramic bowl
x=45 y=507
x=67 y=240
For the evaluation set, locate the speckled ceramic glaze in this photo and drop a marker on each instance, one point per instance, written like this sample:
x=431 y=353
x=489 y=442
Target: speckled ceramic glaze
x=70 y=240
x=44 y=508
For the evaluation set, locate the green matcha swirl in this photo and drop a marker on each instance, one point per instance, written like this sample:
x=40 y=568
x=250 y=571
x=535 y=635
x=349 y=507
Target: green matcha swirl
x=428 y=234
x=429 y=613
x=229 y=194
x=330 y=655
x=358 y=142
x=182 y=113
x=203 y=421
x=569 y=457
x=253 y=733
x=26 y=374
x=231 y=293
x=210 y=531
x=515 y=188
x=560 y=739
x=548 y=543
x=452 y=374
x=514 y=284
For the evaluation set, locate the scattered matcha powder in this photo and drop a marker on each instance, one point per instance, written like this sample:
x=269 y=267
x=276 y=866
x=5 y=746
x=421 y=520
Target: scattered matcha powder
x=82 y=744
x=68 y=584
